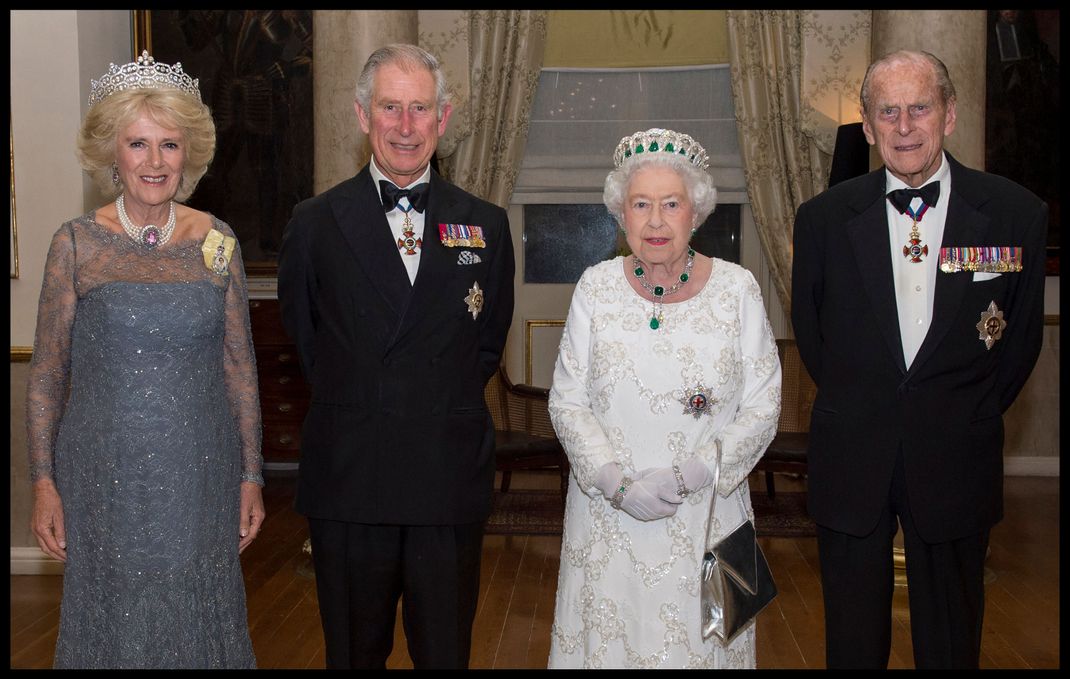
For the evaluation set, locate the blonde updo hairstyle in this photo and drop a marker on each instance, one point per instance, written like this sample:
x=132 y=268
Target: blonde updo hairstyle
x=98 y=136
x=698 y=183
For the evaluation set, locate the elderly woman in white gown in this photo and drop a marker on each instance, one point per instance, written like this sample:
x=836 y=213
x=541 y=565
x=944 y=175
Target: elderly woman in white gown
x=666 y=354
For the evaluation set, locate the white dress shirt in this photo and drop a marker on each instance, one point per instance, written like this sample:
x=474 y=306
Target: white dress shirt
x=915 y=282
x=396 y=219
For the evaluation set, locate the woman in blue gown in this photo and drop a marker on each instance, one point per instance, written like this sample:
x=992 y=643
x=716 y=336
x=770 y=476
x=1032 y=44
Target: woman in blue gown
x=142 y=407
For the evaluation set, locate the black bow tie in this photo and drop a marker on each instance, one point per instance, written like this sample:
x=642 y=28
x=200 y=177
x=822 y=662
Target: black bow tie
x=391 y=194
x=901 y=198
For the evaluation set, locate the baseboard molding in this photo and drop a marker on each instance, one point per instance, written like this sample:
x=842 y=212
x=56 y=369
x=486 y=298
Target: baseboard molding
x=32 y=561
x=281 y=466
x=1030 y=466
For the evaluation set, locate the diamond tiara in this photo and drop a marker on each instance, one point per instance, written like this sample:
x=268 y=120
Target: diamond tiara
x=657 y=140
x=143 y=73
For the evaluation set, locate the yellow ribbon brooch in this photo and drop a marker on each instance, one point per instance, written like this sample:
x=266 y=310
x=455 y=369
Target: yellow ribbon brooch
x=217 y=250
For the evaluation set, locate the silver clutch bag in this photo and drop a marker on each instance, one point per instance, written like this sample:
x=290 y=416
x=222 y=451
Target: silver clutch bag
x=735 y=577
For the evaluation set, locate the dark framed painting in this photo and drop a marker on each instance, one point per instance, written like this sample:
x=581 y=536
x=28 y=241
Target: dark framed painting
x=255 y=72
x=1022 y=123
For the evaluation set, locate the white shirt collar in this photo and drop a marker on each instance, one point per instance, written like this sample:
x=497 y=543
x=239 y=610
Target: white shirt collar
x=377 y=176
x=891 y=182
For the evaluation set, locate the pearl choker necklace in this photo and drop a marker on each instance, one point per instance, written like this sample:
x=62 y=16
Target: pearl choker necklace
x=150 y=235
x=658 y=291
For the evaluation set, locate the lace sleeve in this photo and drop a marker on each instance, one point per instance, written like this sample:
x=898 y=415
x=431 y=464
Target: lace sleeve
x=46 y=393
x=584 y=440
x=746 y=437
x=239 y=367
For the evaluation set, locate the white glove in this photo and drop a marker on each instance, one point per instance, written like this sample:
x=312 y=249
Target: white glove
x=608 y=479
x=696 y=475
x=641 y=498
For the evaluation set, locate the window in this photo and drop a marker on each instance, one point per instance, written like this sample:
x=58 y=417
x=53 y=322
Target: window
x=578 y=117
x=561 y=226
x=562 y=240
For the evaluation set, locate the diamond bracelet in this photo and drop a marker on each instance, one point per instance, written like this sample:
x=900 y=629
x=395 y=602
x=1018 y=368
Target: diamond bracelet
x=618 y=497
x=681 y=489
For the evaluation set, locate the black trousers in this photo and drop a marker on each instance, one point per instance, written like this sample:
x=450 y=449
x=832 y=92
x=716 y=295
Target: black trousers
x=945 y=584
x=362 y=570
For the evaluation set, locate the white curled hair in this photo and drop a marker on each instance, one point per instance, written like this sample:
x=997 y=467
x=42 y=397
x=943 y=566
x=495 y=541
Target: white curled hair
x=698 y=183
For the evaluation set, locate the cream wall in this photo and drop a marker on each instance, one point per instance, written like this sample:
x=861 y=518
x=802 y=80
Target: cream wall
x=20 y=489
x=44 y=118
x=1031 y=425
x=54 y=54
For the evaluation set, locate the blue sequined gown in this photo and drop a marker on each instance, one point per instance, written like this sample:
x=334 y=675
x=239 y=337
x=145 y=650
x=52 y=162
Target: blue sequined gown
x=150 y=448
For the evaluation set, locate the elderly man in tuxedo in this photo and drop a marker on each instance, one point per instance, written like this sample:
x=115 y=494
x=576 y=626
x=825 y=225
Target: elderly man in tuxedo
x=397 y=288
x=917 y=304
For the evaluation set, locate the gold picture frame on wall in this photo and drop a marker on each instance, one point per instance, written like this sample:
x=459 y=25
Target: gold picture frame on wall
x=255 y=73
x=14 y=229
x=540 y=338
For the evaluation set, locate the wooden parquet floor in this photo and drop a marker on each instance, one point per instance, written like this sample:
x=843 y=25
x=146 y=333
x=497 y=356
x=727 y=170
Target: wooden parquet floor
x=519 y=578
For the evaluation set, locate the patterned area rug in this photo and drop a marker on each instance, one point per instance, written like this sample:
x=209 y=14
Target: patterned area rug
x=541 y=512
x=526 y=512
x=782 y=517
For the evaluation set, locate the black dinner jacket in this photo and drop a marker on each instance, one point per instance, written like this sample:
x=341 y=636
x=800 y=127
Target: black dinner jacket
x=945 y=412
x=397 y=430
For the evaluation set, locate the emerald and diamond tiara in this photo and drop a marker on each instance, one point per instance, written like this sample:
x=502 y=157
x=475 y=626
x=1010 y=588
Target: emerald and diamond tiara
x=660 y=140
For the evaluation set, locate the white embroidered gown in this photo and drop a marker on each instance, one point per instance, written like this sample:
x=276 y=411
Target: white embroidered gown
x=628 y=590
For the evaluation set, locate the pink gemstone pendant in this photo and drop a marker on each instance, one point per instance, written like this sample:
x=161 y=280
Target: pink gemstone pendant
x=150 y=236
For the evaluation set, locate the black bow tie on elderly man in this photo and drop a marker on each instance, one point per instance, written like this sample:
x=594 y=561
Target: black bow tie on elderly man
x=391 y=194
x=901 y=198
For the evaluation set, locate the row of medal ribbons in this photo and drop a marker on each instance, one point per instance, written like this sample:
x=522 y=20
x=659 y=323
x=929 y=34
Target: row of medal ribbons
x=987 y=259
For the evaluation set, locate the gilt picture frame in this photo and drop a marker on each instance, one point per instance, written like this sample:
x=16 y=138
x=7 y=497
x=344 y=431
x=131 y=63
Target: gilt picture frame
x=542 y=337
x=14 y=229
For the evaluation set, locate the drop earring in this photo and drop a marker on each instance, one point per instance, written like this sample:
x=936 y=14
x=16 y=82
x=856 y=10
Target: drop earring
x=115 y=174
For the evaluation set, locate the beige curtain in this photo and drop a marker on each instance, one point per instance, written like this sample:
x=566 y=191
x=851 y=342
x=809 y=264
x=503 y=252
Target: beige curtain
x=505 y=54
x=782 y=166
x=835 y=54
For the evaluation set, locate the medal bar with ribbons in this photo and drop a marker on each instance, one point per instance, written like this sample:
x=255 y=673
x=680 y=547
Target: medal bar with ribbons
x=461 y=235
x=985 y=259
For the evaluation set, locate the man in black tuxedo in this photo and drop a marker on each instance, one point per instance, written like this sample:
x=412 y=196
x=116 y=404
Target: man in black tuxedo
x=397 y=288
x=920 y=318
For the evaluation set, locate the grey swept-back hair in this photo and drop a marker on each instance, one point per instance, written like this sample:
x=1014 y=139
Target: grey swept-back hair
x=943 y=78
x=406 y=57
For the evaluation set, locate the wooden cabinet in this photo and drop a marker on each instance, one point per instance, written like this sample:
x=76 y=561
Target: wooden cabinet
x=284 y=394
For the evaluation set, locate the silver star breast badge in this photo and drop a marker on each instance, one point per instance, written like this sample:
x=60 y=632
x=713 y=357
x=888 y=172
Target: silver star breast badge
x=991 y=325
x=474 y=300
x=697 y=401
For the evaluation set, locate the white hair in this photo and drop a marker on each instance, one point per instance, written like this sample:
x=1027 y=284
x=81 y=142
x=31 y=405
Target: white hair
x=698 y=183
